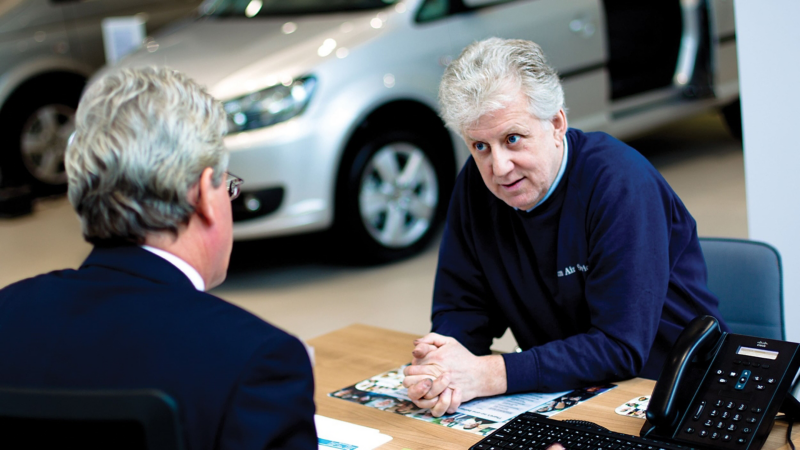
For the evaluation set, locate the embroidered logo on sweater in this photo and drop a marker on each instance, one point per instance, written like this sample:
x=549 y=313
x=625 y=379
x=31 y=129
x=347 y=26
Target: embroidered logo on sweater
x=569 y=270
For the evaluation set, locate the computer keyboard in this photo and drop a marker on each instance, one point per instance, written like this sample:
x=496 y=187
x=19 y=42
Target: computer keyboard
x=530 y=431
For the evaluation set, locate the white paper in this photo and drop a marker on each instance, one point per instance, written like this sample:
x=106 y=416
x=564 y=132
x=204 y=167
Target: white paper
x=336 y=434
x=507 y=407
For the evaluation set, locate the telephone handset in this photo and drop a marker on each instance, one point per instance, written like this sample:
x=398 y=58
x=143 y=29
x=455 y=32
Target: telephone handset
x=723 y=390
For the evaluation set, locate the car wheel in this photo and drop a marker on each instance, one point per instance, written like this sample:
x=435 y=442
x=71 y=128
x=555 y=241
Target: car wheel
x=394 y=195
x=732 y=113
x=40 y=123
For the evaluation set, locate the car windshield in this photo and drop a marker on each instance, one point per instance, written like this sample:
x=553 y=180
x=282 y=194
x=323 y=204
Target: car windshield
x=264 y=8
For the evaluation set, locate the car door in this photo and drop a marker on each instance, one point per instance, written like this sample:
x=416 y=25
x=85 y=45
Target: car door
x=571 y=33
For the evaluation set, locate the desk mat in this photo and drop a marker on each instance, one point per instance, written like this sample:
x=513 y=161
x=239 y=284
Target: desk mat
x=385 y=391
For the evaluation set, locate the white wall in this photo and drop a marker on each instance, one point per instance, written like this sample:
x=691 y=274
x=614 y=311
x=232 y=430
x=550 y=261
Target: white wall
x=768 y=41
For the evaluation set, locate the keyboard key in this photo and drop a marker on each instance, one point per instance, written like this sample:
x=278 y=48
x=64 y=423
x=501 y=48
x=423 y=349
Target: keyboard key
x=533 y=432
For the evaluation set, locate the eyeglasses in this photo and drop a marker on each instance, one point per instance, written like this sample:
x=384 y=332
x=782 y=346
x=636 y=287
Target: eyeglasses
x=234 y=184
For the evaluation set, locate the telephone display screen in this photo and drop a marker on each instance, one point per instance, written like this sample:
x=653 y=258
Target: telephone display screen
x=757 y=353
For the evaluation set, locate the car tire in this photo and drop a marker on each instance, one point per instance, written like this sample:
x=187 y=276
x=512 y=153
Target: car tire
x=38 y=122
x=732 y=113
x=393 y=192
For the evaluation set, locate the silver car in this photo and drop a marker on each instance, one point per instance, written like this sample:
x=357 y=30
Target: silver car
x=332 y=104
x=48 y=49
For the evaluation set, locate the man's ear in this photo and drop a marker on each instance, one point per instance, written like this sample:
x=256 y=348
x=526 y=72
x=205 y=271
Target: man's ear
x=559 y=122
x=204 y=203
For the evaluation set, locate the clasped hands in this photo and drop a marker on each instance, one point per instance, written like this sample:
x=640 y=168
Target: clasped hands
x=443 y=374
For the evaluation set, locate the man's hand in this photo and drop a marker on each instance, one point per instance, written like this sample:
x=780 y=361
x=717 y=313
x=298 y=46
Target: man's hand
x=444 y=374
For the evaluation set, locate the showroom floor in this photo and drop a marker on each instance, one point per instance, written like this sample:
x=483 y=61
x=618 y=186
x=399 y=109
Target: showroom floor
x=297 y=284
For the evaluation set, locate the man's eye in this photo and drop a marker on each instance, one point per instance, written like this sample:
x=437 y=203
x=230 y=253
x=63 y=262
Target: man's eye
x=480 y=146
x=513 y=139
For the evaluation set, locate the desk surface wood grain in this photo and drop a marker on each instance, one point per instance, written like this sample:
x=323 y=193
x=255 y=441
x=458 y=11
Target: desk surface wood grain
x=347 y=356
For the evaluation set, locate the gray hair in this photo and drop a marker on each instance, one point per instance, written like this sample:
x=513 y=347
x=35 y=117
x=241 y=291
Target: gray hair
x=142 y=139
x=487 y=76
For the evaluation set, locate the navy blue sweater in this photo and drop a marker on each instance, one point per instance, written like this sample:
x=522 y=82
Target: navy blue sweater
x=596 y=283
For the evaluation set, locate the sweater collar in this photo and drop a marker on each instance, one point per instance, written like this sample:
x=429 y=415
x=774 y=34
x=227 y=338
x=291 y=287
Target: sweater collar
x=559 y=175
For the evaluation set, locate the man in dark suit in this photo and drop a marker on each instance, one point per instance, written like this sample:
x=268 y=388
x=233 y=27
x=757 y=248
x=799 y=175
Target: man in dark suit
x=148 y=178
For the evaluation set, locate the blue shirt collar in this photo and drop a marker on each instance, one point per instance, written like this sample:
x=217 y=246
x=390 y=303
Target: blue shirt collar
x=560 y=174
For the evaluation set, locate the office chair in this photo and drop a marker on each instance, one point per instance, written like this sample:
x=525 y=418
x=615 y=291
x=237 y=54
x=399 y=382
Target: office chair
x=747 y=278
x=143 y=419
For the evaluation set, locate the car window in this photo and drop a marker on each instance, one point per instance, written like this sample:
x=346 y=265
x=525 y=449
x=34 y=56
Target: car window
x=476 y=4
x=431 y=10
x=264 y=8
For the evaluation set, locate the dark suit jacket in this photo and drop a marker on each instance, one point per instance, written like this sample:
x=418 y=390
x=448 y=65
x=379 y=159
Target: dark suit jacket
x=129 y=319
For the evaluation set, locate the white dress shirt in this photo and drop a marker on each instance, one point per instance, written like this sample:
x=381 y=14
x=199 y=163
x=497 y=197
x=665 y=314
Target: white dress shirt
x=190 y=272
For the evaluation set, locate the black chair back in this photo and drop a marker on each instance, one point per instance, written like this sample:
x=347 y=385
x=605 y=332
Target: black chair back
x=144 y=419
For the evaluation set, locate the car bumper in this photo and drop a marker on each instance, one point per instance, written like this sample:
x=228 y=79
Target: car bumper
x=289 y=180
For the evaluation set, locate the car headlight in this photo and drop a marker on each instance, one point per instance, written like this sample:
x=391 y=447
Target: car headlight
x=269 y=106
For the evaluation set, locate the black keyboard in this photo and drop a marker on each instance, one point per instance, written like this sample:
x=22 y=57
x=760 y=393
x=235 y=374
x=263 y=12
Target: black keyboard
x=530 y=431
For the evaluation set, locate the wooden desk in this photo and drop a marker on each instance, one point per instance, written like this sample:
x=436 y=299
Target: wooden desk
x=355 y=353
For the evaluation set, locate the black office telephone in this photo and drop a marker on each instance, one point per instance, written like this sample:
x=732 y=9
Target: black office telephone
x=721 y=390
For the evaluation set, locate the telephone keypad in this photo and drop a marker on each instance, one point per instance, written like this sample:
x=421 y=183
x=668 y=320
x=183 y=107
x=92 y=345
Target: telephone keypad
x=721 y=421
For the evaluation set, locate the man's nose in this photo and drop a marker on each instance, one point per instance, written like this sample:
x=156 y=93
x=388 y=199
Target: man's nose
x=502 y=163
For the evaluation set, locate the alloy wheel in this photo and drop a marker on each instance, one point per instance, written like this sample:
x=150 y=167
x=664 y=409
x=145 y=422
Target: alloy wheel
x=398 y=195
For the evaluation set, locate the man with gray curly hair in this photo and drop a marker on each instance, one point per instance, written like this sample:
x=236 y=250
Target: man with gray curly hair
x=572 y=240
x=148 y=178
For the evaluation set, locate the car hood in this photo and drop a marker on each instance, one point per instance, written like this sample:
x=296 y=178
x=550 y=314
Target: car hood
x=234 y=56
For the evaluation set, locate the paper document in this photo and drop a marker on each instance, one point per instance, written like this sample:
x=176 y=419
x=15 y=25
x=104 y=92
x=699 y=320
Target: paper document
x=336 y=434
x=481 y=416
